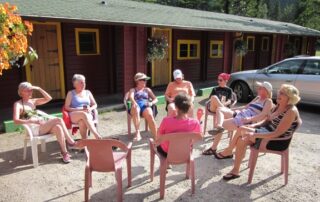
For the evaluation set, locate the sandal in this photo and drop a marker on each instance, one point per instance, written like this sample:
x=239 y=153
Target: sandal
x=230 y=176
x=220 y=156
x=209 y=152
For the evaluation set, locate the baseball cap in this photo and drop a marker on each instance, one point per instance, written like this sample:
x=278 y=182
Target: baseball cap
x=177 y=74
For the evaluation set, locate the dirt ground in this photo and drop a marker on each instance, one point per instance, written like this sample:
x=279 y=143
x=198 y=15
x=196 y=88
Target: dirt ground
x=55 y=181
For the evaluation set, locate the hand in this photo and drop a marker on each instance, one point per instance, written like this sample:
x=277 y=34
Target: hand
x=149 y=104
x=35 y=87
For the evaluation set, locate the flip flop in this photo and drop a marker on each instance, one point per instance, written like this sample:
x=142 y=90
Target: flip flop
x=230 y=176
x=209 y=152
x=220 y=156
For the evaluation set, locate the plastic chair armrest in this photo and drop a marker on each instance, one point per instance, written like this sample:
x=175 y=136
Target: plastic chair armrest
x=28 y=130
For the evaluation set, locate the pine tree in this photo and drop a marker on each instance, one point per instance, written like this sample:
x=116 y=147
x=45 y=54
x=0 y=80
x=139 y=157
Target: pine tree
x=308 y=14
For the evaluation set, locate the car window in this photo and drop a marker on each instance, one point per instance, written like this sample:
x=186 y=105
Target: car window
x=286 y=67
x=312 y=67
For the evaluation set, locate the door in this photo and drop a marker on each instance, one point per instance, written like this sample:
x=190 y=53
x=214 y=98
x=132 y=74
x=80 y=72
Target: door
x=161 y=69
x=47 y=71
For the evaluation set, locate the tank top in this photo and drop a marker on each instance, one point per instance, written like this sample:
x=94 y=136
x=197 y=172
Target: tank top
x=141 y=95
x=257 y=106
x=77 y=101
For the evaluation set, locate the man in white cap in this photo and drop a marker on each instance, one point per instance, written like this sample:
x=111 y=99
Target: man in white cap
x=178 y=86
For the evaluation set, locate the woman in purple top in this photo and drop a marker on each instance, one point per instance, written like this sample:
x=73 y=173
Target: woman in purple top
x=142 y=98
x=80 y=103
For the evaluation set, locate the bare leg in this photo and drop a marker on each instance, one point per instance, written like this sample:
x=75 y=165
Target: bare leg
x=241 y=148
x=148 y=115
x=83 y=129
x=215 y=103
x=222 y=113
x=77 y=116
x=190 y=112
x=51 y=126
x=135 y=114
x=172 y=110
x=238 y=135
x=228 y=125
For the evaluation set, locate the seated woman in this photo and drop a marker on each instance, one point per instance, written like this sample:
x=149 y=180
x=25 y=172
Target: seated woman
x=24 y=112
x=283 y=121
x=142 y=98
x=80 y=103
x=174 y=88
x=231 y=119
x=179 y=123
x=221 y=95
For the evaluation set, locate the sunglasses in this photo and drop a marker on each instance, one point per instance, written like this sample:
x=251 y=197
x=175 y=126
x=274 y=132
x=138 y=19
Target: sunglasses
x=220 y=80
x=282 y=93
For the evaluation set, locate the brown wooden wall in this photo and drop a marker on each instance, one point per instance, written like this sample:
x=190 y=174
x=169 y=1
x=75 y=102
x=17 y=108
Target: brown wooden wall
x=134 y=54
x=99 y=70
x=190 y=68
x=214 y=65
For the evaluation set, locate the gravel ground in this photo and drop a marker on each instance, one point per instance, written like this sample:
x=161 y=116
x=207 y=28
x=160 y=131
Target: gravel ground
x=55 y=181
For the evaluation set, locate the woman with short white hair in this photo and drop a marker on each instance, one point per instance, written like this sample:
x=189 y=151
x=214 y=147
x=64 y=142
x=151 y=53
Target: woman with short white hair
x=24 y=112
x=80 y=103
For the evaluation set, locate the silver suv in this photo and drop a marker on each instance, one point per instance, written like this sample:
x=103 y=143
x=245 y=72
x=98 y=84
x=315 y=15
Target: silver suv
x=301 y=71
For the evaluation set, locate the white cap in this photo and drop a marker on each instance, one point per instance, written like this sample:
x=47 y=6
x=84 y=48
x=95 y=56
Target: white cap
x=177 y=74
x=265 y=85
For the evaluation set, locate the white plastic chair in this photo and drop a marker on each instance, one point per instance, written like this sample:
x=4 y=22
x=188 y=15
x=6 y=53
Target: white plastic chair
x=125 y=99
x=34 y=139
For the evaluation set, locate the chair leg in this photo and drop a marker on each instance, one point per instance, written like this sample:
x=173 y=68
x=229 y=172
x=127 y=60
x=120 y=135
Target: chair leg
x=129 y=124
x=253 y=161
x=86 y=184
x=43 y=145
x=163 y=172
x=192 y=174
x=119 y=184
x=286 y=166
x=34 y=150
x=152 y=155
x=205 y=123
x=129 y=168
x=188 y=170
x=25 y=149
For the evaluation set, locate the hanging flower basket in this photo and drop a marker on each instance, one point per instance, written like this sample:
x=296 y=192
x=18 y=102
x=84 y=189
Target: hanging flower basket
x=13 y=38
x=156 y=48
x=241 y=47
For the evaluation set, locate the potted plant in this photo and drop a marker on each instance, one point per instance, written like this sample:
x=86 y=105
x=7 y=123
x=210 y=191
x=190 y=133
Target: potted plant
x=156 y=48
x=240 y=47
x=13 y=38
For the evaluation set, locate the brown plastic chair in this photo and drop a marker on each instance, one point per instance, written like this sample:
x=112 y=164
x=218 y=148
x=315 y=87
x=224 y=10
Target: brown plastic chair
x=180 y=152
x=209 y=113
x=284 y=153
x=101 y=158
x=125 y=99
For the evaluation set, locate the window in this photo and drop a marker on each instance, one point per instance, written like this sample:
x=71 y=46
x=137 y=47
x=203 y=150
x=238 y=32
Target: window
x=250 y=43
x=188 y=49
x=312 y=67
x=286 y=67
x=216 y=49
x=265 y=44
x=297 y=43
x=87 y=41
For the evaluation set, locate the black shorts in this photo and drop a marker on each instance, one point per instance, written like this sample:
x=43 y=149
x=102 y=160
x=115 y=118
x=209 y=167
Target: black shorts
x=162 y=152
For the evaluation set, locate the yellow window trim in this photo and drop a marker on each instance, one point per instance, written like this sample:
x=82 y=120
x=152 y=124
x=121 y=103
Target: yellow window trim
x=220 y=48
x=268 y=41
x=96 y=31
x=188 y=42
x=253 y=40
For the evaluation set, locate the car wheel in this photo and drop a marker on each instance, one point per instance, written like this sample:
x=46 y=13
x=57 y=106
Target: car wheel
x=242 y=91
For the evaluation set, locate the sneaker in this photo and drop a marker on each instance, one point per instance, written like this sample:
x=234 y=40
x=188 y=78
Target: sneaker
x=216 y=131
x=66 y=157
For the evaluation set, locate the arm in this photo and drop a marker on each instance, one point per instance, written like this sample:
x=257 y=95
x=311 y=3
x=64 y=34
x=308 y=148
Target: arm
x=17 y=108
x=283 y=126
x=93 y=103
x=153 y=97
x=131 y=97
x=191 y=92
x=167 y=94
x=40 y=101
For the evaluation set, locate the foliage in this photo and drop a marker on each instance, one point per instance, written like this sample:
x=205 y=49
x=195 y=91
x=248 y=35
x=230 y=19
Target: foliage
x=241 y=47
x=156 y=48
x=308 y=14
x=13 y=38
x=290 y=49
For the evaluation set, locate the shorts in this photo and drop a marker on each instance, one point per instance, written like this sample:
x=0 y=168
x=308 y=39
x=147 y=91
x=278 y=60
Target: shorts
x=161 y=151
x=237 y=117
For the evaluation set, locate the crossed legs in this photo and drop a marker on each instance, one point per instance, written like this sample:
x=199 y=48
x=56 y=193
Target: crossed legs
x=85 y=122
